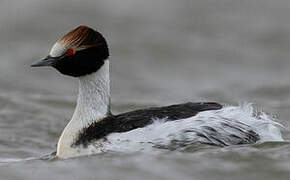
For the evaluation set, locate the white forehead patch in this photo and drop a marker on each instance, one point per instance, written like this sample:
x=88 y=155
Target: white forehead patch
x=57 y=50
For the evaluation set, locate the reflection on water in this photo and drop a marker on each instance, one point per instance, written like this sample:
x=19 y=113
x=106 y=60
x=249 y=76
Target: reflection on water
x=161 y=52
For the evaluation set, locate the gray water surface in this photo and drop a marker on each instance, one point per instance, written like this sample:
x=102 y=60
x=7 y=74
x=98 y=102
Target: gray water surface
x=162 y=52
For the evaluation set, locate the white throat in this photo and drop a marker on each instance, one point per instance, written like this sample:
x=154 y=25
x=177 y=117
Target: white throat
x=93 y=105
x=94 y=96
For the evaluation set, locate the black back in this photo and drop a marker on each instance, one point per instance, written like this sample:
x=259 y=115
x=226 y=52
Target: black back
x=140 y=118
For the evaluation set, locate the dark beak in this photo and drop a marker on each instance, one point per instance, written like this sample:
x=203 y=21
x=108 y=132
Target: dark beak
x=48 y=61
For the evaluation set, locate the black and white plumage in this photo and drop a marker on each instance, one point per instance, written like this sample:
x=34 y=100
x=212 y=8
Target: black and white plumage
x=83 y=53
x=141 y=118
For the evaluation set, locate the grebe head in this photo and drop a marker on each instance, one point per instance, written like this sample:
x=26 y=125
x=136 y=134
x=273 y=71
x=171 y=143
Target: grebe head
x=80 y=52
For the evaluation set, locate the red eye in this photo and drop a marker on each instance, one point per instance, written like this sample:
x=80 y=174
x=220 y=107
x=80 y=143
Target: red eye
x=70 y=52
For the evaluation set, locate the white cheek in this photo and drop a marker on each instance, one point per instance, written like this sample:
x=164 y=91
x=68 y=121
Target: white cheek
x=57 y=50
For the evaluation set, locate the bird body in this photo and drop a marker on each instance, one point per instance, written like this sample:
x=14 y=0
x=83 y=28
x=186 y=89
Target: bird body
x=83 y=53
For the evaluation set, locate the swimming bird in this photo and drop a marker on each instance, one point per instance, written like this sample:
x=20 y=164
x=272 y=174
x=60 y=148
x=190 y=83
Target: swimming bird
x=83 y=53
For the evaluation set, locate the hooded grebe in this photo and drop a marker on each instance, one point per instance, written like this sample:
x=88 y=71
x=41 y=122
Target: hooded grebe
x=83 y=53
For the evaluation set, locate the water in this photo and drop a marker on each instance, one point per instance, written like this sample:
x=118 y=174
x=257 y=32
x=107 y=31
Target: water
x=162 y=52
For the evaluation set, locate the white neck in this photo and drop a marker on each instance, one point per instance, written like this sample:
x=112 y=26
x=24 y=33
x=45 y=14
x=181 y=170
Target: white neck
x=93 y=105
